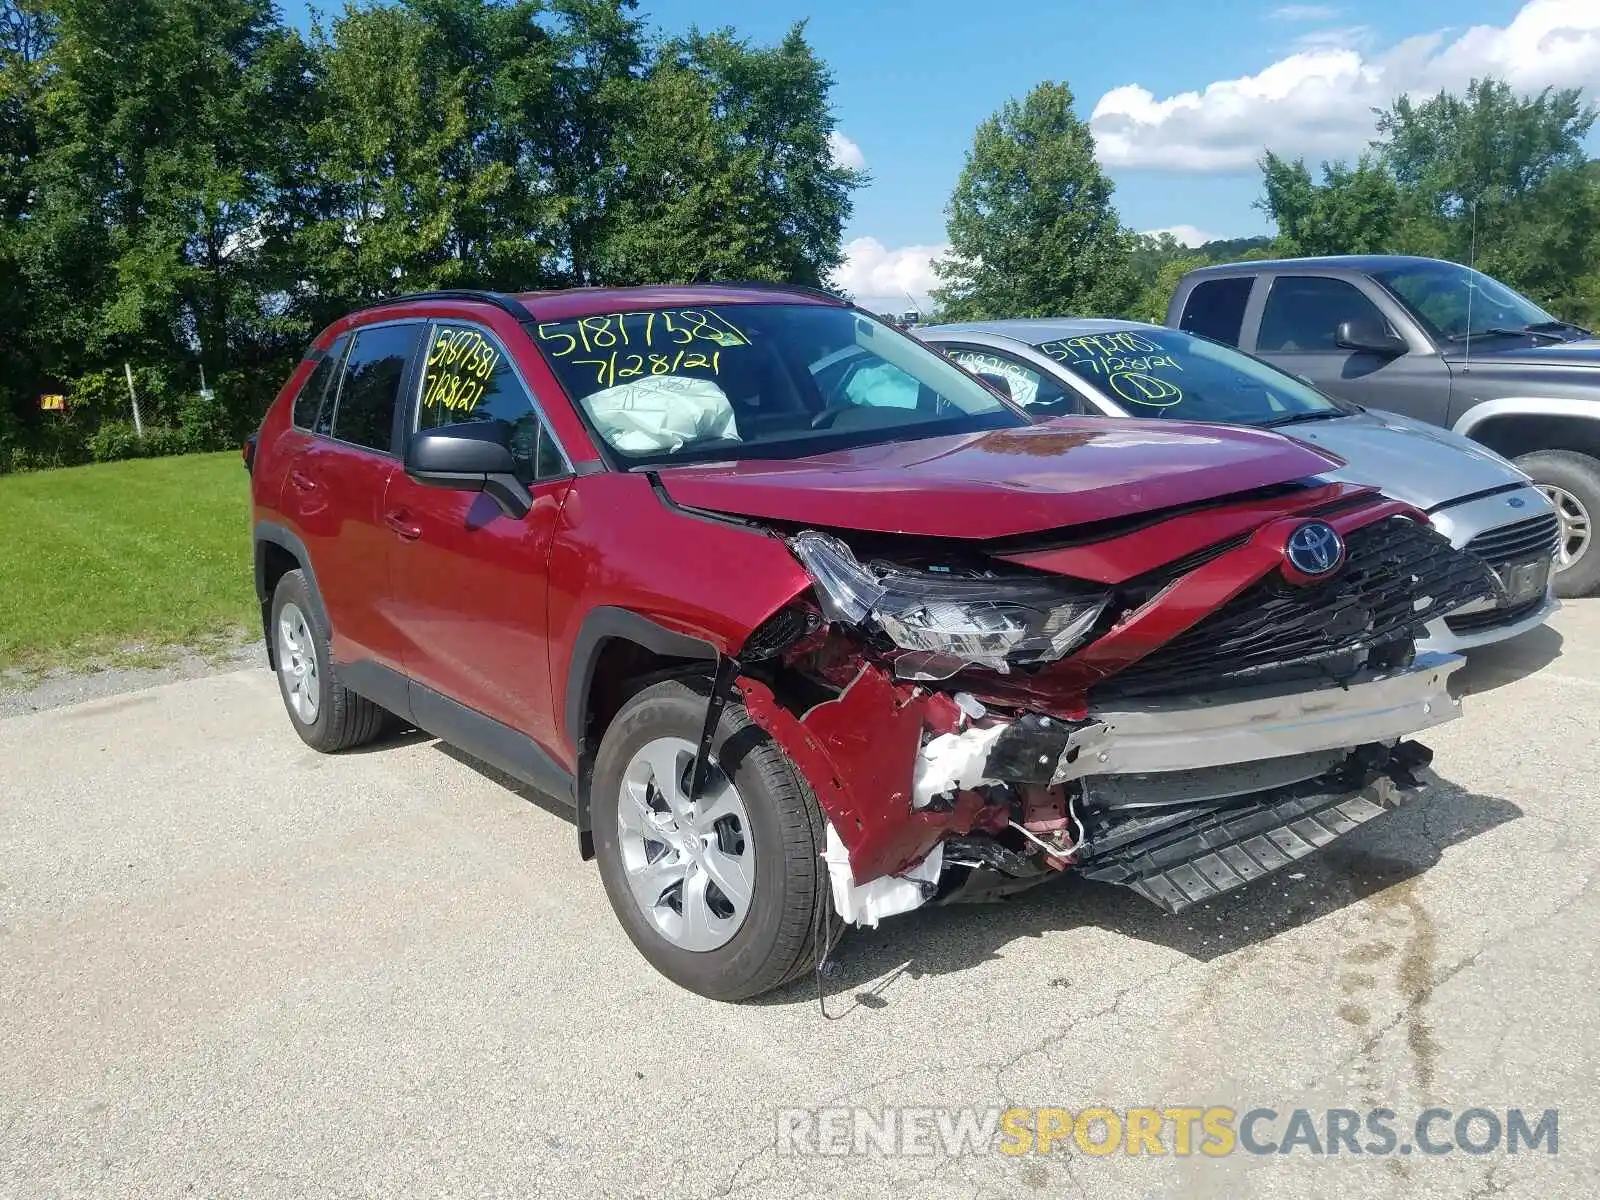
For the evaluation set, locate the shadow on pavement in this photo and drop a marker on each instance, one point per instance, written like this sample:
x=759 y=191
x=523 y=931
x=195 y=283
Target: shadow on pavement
x=870 y=964
x=940 y=940
x=1489 y=667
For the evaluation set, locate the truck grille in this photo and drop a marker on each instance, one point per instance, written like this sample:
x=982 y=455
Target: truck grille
x=1326 y=629
x=1527 y=538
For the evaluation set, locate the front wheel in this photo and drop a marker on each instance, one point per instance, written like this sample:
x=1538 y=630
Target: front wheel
x=1572 y=483
x=725 y=894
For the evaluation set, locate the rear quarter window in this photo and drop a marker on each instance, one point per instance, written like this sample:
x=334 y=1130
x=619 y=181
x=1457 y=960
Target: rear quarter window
x=1215 y=308
x=309 y=401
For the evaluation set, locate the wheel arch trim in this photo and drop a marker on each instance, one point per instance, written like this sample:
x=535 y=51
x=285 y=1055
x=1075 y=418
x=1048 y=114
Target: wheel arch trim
x=270 y=534
x=1527 y=406
x=604 y=624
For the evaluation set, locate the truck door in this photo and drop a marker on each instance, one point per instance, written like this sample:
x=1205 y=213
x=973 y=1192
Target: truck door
x=1299 y=332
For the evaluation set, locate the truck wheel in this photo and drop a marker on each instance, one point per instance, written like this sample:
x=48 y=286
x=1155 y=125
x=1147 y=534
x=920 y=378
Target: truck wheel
x=720 y=894
x=1572 y=481
x=327 y=715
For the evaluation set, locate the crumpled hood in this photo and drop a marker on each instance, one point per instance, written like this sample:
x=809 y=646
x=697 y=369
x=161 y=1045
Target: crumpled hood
x=1411 y=461
x=1003 y=483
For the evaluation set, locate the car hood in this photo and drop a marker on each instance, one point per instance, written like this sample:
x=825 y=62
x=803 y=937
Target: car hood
x=1585 y=352
x=1006 y=482
x=1420 y=464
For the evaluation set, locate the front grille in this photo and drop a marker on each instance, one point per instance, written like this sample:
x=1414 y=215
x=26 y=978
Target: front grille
x=1493 y=618
x=1527 y=538
x=1324 y=630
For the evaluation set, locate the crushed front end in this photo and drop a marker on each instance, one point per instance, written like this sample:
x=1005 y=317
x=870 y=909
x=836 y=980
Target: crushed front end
x=976 y=720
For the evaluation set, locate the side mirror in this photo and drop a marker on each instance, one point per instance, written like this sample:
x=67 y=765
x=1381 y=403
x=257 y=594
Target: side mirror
x=1368 y=337
x=998 y=382
x=469 y=457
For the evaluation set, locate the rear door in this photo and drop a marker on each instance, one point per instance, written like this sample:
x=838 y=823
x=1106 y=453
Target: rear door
x=334 y=491
x=471 y=584
x=1297 y=332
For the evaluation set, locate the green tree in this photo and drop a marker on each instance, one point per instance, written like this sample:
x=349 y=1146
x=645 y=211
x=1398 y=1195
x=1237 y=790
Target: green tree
x=1498 y=177
x=727 y=171
x=1031 y=225
x=1348 y=212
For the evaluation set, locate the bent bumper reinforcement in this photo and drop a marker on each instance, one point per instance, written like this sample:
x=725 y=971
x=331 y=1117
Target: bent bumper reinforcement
x=1249 y=724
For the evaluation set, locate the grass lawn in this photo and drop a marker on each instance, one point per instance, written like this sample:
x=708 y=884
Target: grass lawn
x=152 y=552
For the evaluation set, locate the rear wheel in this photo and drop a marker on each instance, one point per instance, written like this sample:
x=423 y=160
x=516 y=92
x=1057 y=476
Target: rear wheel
x=327 y=715
x=1572 y=482
x=724 y=894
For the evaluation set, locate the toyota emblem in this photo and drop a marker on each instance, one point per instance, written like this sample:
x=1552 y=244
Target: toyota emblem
x=1315 y=549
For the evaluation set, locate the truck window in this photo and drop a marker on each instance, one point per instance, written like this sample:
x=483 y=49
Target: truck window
x=1215 y=309
x=1303 y=312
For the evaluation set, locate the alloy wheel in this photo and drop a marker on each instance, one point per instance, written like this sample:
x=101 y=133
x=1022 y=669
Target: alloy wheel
x=297 y=663
x=1575 y=525
x=690 y=864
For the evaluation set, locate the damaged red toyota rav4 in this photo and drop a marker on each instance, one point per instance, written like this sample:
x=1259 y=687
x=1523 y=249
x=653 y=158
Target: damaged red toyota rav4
x=813 y=628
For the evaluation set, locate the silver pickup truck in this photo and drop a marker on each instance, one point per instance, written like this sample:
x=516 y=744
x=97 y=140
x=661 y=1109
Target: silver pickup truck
x=1434 y=341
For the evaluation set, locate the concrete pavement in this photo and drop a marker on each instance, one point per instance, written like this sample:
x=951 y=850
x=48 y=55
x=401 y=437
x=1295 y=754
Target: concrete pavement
x=230 y=966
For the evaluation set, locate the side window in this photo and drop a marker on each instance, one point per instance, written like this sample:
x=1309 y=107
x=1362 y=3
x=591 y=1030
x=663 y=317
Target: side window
x=1215 y=308
x=1303 y=312
x=309 y=401
x=364 y=411
x=469 y=378
x=1032 y=389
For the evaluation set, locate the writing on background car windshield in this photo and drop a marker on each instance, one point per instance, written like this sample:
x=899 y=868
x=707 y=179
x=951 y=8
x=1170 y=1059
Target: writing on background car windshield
x=631 y=345
x=1132 y=366
x=1024 y=387
x=460 y=366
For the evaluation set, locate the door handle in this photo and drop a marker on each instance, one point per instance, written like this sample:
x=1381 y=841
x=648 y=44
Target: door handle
x=399 y=520
x=302 y=481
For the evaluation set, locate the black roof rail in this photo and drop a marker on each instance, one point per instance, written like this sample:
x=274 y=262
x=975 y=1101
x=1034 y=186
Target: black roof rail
x=766 y=285
x=502 y=301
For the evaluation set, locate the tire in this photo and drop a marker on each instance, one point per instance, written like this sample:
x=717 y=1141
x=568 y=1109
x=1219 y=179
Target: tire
x=1572 y=480
x=335 y=718
x=726 y=956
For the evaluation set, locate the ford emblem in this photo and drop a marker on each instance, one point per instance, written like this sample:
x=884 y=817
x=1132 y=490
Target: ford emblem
x=1517 y=502
x=1315 y=548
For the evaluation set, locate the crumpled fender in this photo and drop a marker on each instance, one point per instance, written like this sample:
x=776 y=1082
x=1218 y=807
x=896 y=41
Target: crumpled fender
x=858 y=752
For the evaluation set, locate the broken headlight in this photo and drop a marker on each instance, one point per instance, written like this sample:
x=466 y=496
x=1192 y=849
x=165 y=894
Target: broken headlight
x=948 y=620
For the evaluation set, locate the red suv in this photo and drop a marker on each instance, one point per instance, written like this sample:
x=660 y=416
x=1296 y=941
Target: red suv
x=812 y=627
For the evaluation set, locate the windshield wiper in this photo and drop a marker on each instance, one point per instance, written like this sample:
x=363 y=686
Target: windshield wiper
x=1321 y=414
x=1507 y=331
x=1557 y=327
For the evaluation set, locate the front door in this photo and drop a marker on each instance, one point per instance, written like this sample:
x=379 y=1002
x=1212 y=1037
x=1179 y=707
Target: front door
x=1298 y=334
x=470 y=584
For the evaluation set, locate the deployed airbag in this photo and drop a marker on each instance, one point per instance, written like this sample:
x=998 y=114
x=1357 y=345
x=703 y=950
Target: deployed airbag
x=662 y=413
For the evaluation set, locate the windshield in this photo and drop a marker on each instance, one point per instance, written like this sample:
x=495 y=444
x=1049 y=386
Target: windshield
x=1164 y=373
x=758 y=381
x=1444 y=297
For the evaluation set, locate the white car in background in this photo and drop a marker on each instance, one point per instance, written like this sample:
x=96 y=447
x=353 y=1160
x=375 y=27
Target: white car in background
x=1481 y=502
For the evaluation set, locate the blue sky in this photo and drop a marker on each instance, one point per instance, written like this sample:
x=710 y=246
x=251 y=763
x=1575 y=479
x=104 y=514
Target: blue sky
x=1184 y=94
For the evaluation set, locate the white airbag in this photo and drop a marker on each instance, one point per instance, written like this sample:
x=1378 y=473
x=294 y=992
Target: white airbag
x=661 y=413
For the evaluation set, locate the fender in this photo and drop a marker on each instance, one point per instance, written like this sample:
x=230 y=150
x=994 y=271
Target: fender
x=1526 y=406
x=603 y=624
x=268 y=533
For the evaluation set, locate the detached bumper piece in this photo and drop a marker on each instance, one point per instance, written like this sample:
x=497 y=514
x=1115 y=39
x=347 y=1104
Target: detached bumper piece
x=1182 y=858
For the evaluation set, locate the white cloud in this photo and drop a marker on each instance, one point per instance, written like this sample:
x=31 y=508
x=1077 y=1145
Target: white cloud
x=1336 y=37
x=879 y=278
x=845 y=152
x=1318 y=102
x=1186 y=235
x=1304 y=12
